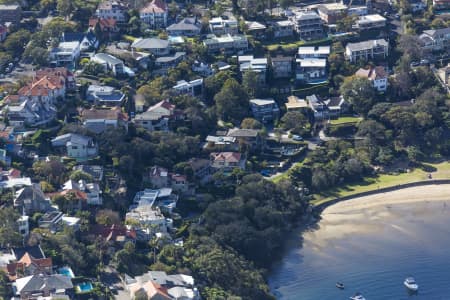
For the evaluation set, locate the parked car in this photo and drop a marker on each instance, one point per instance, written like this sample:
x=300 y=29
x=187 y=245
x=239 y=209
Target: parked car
x=414 y=64
x=424 y=62
x=297 y=138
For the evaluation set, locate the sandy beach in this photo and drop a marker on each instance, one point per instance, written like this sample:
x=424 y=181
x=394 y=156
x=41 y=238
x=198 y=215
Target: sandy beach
x=407 y=195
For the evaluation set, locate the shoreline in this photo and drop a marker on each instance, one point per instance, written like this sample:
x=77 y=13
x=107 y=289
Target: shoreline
x=420 y=185
x=407 y=195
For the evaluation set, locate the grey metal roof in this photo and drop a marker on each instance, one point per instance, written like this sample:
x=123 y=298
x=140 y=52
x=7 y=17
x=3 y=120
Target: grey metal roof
x=44 y=282
x=151 y=43
x=367 y=45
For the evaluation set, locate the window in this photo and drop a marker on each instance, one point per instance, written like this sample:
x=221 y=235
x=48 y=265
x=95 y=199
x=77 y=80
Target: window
x=74 y=147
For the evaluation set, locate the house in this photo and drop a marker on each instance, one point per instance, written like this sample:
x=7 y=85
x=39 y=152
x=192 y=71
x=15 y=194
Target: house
x=358 y=11
x=193 y=87
x=256 y=29
x=223 y=26
x=55 y=221
x=66 y=54
x=112 y=9
x=157 y=47
x=170 y=61
x=336 y=106
x=31 y=199
x=371 y=22
x=366 y=50
x=158 y=177
x=94 y=170
x=228 y=43
x=54 y=76
x=221 y=143
x=77 y=146
x=201 y=168
x=92 y=190
x=28 y=114
x=159 y=285
x=113 y=234
x=156 y=117
x=227 y=161
x=283 y=29
x=186 y=27
x=43 y=285
x=330 y=13
x=161 y=198
x=435 y=39
x=308 y=25
x=378 y=76
x=250 y=137
x=33 y=251
x=264 y=110
x=441 y=4
x=99 y=120
x=179 y=183
x=282 y=66
x=313 y=52
x=108 y=27
x=10 y=13
x=109 y=63
x=23 y=224
x=148 y=219
x=311 y=70
x=154 y=14
x=28 y=265
x=88 y=41
x=296 y=104
x=257 y=65
x=318 y=106
x=104 y=95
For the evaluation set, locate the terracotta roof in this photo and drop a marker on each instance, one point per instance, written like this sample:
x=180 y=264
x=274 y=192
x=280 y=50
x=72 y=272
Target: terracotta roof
x=104 y=23
x=226 y=156
x=179 y=177
x=14 y=173
x=107 y=114
x=165 y=104
x=111 y=233
x=77 y=193
x=372 y=73
x=156 y=6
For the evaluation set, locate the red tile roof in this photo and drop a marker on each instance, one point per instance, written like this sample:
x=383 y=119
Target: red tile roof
x=104 y=23
x=226 y=156
x=156 y=6
x=111 y=233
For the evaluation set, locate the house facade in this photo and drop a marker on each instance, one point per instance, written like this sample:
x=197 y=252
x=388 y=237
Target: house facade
x=257 y=65
x=371 y=22
x=109 y=63
x=308 y=25
x=222 y=26
x=264 y=110
x=436 y=39
x=282 y=66
x=99 y=120
x=77 y=146
x=112 y=9
x=227 y=161
x=367 y=50
x=186 y=27
x=157 y=117
x=228 y=43
x=154 y=14
x=378 y=76
x=330 y=13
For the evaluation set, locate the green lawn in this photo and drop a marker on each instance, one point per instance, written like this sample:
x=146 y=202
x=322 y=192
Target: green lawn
x=345 y=120
x=442 y=171
x=294 y=44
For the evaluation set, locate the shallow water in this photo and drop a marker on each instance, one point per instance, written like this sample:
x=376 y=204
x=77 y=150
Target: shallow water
x=370 y=250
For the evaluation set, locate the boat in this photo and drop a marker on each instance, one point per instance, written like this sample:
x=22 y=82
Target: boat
x=358 y=296
x=340 y=285
x=411 y=284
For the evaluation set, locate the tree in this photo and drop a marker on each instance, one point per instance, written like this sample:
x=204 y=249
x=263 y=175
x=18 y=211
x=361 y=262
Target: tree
x=107 y=217
x=232 y=101
x=250 y=82
x=359 y=92
x=294 y=120
x=250 y=123
x=16 y=42
x=38 y=56
x=78 y=175
x=410 y=45
x=64 y=7
x=286 y=3
x=9 y=235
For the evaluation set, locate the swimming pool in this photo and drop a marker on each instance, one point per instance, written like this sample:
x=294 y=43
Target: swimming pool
x=66 y=271
x=84 y=287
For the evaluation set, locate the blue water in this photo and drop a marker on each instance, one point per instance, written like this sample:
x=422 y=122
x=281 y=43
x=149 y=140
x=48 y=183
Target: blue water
x=371 y=251
x=66 y=271
x=85 y=287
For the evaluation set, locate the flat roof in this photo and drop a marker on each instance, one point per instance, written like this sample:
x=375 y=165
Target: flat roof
x=371 y=18
x=312 y=62
x=323 y=50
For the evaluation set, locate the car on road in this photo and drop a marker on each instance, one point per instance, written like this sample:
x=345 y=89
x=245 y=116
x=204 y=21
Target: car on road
x=414 y=64
x=266 y=173
x=397 y=16
x=424 y=62
x=297 y=138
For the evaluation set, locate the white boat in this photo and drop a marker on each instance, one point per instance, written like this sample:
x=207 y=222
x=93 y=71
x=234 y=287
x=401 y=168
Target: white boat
x=411 y=284
x=358 y=296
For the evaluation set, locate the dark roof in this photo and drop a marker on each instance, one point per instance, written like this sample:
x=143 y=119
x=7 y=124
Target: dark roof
x=35 y=251
x=73 y=36
x=281 y=59
x=47 y=282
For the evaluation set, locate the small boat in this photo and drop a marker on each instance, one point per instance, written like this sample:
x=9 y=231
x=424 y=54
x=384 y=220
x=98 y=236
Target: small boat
x=340 y=285
x=411 y=284
x=358 y=296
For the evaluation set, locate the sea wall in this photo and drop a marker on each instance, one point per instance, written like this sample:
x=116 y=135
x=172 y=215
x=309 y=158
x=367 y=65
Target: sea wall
x=319 y=208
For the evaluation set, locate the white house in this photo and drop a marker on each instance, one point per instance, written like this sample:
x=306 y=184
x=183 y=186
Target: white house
x=92 y=190
x=77 y=146
x=156 y=117
x=366 y=50
x=258 y=65
x=112 y=10
x=193 y=87
x=109 y=63
x=66 y=54
x=377 y=76
x=154 y=14
x=370 y=22
x=222 y=26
